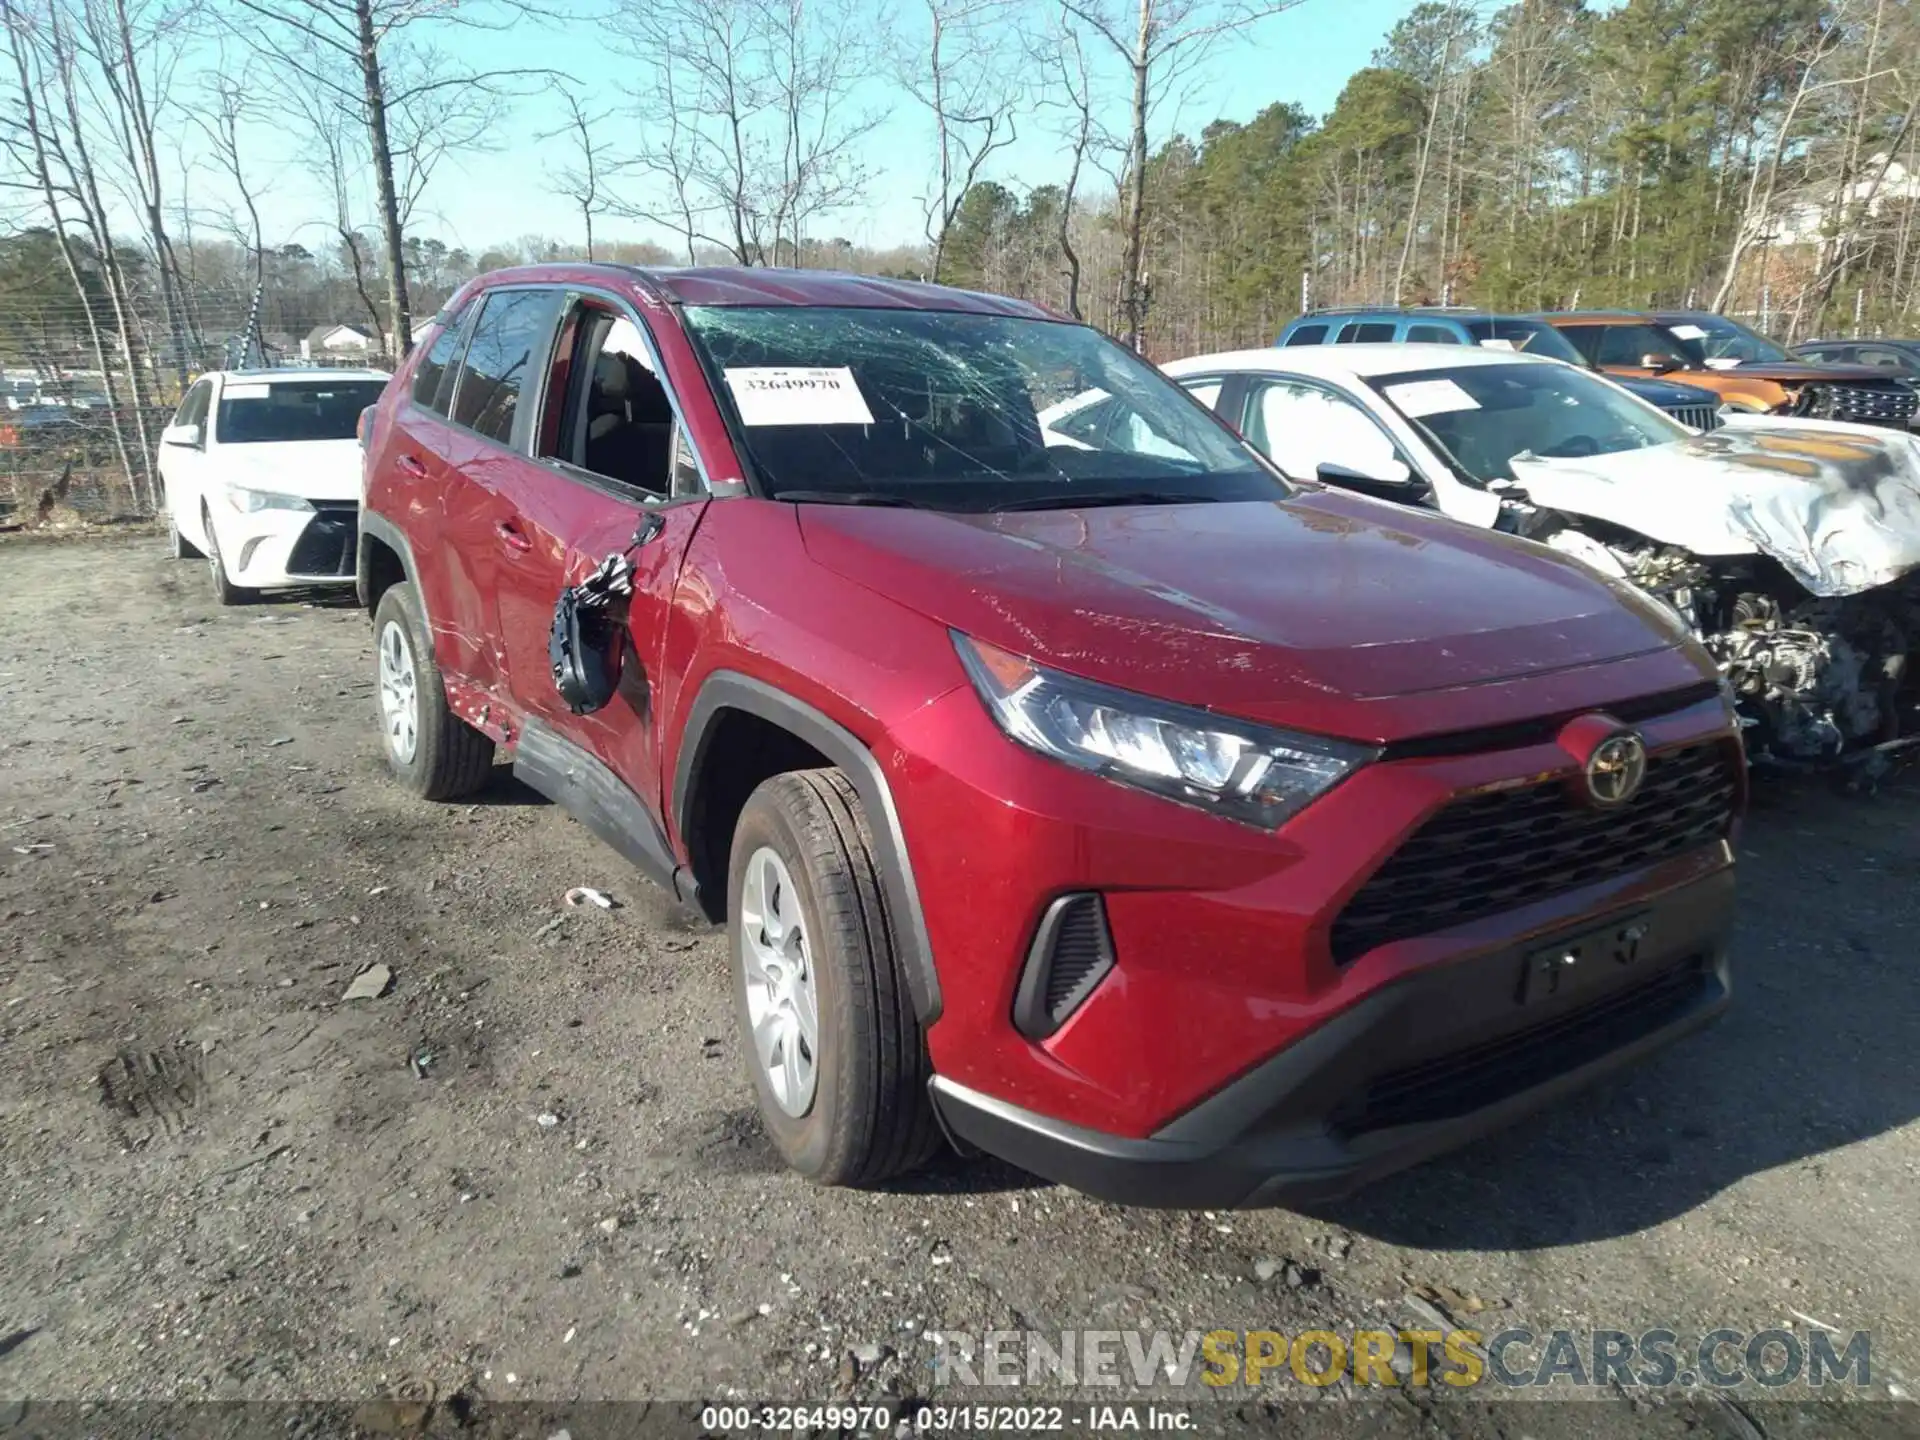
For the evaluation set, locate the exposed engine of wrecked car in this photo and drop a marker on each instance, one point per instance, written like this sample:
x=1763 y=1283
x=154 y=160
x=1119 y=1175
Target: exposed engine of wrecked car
x=1813 y=678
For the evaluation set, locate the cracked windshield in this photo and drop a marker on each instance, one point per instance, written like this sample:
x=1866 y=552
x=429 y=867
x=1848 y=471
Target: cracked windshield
x=955 y=411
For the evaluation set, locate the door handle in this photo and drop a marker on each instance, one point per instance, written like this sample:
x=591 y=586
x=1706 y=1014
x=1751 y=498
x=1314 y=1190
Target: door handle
x=511 y=537
x=413 y=465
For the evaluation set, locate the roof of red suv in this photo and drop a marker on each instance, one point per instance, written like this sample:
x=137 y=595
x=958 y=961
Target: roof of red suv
x=754 y=285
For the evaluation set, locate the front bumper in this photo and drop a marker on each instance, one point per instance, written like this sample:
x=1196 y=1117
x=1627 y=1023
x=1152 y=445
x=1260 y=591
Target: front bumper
x=290 y=547
x=1416 y=1067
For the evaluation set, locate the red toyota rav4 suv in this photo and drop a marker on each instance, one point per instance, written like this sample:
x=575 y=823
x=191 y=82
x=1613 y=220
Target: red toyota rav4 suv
x=1067 y=779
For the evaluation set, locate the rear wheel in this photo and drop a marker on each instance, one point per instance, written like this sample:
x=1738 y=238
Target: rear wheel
x=430 y=750
x=838 y=1060
x=224 y=590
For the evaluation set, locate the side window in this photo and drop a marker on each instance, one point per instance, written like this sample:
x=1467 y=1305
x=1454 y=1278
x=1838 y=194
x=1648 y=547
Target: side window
x=433 y=381
x=1376 y=333
x=194 y=405
x=1883 y=359
x=1431 y=335
x=1622 y=345
x=511 y=328
x=1207 y=392
x=617 y=420
x=1301 y=427
x=1308 y=335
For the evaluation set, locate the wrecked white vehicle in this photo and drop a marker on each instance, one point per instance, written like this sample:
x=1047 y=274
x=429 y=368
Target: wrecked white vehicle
x=1790 y=547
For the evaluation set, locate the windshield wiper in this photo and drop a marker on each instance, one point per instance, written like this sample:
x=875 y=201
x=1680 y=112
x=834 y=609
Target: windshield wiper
x=847 y=497
x=1070 y=501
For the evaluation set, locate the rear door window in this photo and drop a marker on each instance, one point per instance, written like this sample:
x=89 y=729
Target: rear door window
x=1368 y=333
x=514 y=326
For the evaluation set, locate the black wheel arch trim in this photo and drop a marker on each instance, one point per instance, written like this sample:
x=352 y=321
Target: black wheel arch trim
x=730 y=690
x=375 y=526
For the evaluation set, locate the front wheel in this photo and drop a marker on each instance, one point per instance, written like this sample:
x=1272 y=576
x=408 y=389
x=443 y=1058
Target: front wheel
x=178 y=546
x=430 y=750
x=838 y=1060
x=224 y=590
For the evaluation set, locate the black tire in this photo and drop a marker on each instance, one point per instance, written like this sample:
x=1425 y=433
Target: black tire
x=449 y=758
x=871 y=1117
x=224 y=590
x=178 y=546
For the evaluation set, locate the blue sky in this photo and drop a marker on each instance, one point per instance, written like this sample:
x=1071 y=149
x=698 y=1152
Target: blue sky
x=1303 y=55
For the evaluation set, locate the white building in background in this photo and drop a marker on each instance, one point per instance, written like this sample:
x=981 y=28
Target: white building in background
x=337 y=342
x=1804 y=219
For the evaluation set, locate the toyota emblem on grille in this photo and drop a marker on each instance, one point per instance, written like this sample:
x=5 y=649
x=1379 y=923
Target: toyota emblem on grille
x=1616 y=768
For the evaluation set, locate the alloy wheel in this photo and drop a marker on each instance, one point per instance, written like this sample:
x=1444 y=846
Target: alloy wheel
x=783 y=1008
x=399 y=693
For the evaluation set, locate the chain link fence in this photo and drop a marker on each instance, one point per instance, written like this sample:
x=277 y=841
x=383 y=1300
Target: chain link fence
x=79 y=437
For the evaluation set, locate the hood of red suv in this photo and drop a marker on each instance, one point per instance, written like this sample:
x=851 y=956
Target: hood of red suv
x=1273 y=611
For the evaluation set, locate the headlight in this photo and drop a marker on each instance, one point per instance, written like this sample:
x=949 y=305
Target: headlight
x=249 y=502
x=1226 y=767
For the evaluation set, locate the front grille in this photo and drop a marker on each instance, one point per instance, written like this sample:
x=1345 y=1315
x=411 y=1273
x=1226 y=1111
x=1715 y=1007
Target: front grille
x=1481 y=1075
x=1889 y=404
x=1700 y=417
x=1495 y=852
x=329 y=544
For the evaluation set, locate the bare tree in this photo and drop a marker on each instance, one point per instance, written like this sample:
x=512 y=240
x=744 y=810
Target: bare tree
x=324 y=41
x=133 y=48
x=226 y=108
x=965 y=71
x=1069 y=92
x=1459 y=22
x=752 y=131
x=584 y=181
x=1757 y=217
x=34 y=130
x=1158 y=42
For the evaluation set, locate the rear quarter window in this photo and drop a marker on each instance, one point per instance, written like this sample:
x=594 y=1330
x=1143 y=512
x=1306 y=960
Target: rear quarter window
x=1308 y=335
x=433 y=380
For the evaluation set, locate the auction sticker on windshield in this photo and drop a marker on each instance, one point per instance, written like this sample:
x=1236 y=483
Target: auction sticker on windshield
x=785 y=395
x=1430 y=397
x=248 y=392
x=1688 y=332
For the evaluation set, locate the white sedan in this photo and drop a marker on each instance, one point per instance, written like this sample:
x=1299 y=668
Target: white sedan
x=1790 y=547
x=262 y=476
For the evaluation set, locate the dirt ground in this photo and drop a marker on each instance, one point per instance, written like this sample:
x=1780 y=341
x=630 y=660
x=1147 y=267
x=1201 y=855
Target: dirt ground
x=530 y=1172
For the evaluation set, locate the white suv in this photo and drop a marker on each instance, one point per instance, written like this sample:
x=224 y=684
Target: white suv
x=262 y=476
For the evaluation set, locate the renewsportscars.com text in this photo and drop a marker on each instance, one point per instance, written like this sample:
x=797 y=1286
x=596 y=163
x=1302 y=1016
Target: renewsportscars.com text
x=1515 y=1358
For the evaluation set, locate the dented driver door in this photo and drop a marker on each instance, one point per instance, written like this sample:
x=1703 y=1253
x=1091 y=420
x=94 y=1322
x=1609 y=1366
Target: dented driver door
x=607 y=479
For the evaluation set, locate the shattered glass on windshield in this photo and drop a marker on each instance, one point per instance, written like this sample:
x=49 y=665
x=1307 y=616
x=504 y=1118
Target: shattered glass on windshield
x=960 y=411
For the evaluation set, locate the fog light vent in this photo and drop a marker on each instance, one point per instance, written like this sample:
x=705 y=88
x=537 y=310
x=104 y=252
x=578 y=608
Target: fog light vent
x=1072 y=952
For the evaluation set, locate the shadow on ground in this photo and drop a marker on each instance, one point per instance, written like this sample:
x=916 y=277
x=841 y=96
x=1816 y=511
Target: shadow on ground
x=1815 y=1053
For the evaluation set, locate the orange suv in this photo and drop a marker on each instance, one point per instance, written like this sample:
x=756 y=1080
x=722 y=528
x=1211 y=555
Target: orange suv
x=1748 y=371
